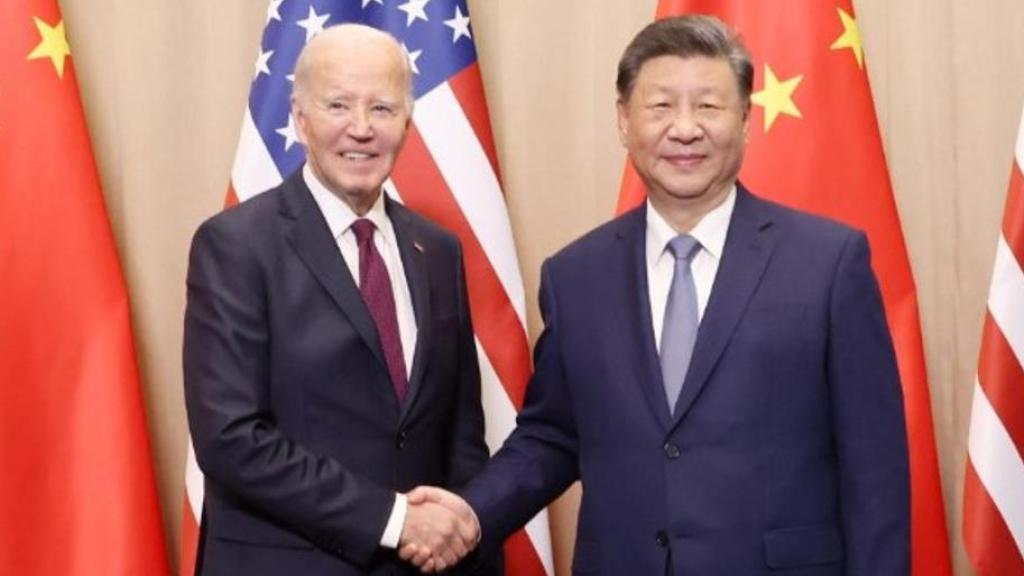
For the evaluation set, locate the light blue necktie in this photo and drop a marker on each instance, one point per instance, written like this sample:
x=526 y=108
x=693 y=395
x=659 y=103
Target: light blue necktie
x=679 y=331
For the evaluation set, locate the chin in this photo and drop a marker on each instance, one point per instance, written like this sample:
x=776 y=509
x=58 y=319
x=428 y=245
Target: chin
x=689 y=195
x=357 y=187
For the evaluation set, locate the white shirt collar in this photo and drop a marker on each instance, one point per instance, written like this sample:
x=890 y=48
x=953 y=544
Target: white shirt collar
x=339 y=215
x=710 y=231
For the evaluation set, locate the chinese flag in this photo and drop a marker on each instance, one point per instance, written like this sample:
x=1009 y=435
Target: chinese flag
x=77 y=494
x=814 y=145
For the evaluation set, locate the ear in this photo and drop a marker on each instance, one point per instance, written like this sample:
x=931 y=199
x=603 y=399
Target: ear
x=746 y=122
x=622 y=113
x=299 y=117
x=405 y=132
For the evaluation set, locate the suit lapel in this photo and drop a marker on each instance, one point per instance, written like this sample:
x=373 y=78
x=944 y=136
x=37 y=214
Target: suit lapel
x=311 y=239
x=414 y=260
x=748 y=248
x=638 y=339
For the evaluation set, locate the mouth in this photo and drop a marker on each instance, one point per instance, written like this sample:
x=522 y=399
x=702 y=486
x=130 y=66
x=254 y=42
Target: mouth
x=353 y=156
x=685 y=160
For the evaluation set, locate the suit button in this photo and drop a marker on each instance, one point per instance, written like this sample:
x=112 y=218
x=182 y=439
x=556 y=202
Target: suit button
x=401 y=440
x=671 y=451
x=661 y=538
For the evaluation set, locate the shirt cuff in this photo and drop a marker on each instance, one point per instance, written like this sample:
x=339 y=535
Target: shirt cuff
x=393 y=529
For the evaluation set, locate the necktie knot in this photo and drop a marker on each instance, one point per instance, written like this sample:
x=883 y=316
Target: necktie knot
x=683 y=247
x=363 y=229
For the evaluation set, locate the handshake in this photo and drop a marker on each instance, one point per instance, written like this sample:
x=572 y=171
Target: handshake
x=440 y=529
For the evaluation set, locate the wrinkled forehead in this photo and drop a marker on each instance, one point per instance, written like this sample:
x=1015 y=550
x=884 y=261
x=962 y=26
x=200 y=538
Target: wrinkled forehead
x=352 y=54
x=675 y=73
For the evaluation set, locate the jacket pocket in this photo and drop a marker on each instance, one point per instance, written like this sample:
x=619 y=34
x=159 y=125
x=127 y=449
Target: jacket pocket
x=803 y=546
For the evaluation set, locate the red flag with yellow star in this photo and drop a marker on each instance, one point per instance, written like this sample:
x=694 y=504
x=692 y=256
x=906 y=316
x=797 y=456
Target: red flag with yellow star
x=77 y=492
x=814 y=144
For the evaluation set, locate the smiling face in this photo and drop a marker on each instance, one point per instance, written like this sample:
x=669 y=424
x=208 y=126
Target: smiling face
x=685 y=124
x=351 y=108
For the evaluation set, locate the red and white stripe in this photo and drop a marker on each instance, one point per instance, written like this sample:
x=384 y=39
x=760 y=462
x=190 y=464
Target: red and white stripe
x=994 y=484
x=448 y=172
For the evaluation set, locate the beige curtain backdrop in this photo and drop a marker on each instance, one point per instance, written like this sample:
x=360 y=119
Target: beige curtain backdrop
x=165 y=85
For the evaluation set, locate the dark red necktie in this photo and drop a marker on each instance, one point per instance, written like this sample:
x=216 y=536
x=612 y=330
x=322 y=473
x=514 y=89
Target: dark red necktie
x=375 y=285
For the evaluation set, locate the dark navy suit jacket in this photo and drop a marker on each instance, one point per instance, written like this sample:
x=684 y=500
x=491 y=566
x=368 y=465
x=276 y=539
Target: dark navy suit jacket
x=787 y=454
x=293 y=416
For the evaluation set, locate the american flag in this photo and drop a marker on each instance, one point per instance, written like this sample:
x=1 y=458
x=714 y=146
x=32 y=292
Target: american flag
x=448 y=172
x=993 y=499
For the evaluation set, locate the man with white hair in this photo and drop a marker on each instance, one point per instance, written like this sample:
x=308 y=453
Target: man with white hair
x=329 y=357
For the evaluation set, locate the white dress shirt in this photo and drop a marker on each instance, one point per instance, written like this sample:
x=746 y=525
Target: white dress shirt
x=710 y=232
x=339 y=219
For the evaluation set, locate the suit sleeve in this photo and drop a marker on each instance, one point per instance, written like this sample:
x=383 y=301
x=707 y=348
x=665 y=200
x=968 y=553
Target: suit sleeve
x=237 y=442
x=539 y=460
x=870 y=434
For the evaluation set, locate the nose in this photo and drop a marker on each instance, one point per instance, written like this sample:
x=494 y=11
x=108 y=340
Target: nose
x=685 y=126
x=360 y=126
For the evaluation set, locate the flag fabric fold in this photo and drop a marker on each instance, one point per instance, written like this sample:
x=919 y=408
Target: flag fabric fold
x=993 y=521
x=77 y=490
x=814 y=144
x=448 y=171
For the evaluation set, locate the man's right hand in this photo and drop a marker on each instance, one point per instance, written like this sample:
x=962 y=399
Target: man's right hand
x=439 y=530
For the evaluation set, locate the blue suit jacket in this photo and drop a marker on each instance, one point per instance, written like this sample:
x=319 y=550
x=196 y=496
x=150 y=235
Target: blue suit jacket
x=293 y=416
x=788 y=449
